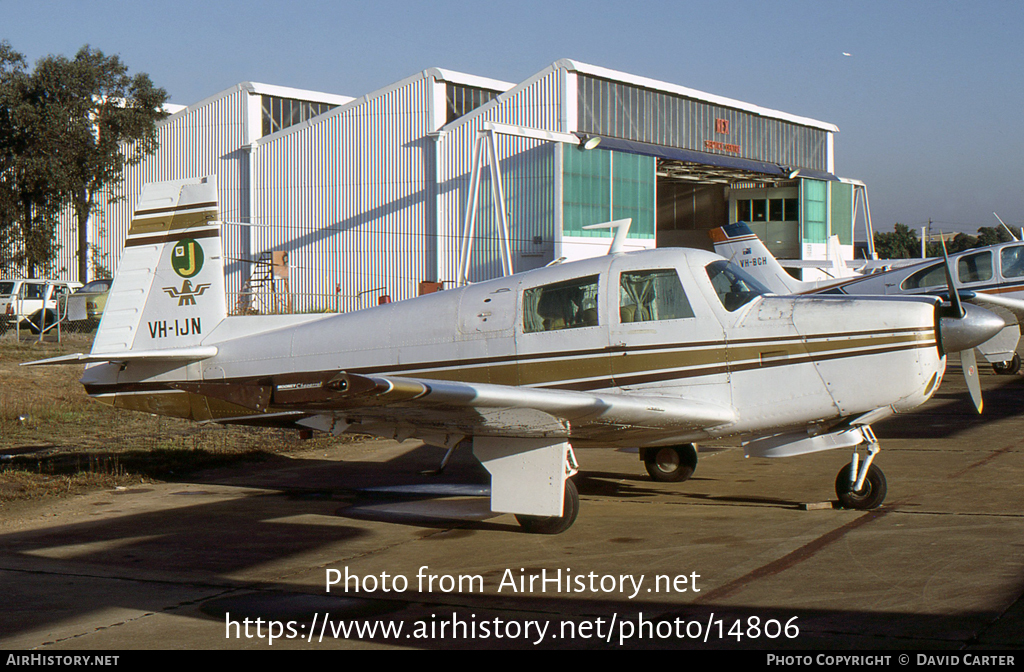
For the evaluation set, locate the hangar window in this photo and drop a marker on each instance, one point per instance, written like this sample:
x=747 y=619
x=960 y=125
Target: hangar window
x=768 y=210
x=562 y=305
x=792 y=209
x=759 y=209
x=645 y=296
x=734 y=287
x=280 y=113
x=464 y=99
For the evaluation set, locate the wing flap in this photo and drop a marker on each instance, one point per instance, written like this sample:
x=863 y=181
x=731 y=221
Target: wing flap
x=482 y=409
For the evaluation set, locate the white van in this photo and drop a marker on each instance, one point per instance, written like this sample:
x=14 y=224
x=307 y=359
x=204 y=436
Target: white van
x=31 y=301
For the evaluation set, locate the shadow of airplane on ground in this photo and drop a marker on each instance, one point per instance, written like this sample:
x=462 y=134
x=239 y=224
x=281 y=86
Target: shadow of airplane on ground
x=215 y=554
x=212 y=558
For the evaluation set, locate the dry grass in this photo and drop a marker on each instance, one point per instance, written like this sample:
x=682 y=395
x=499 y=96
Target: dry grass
x=55 y=441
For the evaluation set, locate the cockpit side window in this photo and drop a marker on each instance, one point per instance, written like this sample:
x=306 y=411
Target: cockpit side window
x=933 y=276
x=564 y=305
x=645 y=296
x=975 y=267
x=1011 y=258
x=734 y=287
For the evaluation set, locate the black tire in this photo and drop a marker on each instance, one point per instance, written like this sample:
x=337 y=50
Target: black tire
x=31 y=322
x=671 y=464
x=35 y=323
x=869 y=497
x=554 y=524
x=1009 y=368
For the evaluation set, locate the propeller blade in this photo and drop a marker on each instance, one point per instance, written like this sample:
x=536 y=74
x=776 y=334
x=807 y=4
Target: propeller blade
x=954 y=298
x=970 y=366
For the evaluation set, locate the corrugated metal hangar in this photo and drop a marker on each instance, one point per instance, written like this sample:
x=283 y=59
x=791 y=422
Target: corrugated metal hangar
x=355 y=199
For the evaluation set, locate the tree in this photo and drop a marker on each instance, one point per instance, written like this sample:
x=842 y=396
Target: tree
x=993 y=235
x=115 y=127
x=901 y=243
x=30 y=167
x=960 y=242
x=11 y=62
x=74 y=127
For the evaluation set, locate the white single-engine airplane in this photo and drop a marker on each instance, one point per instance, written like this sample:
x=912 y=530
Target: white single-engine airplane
x=990 y=276
x=655 y=349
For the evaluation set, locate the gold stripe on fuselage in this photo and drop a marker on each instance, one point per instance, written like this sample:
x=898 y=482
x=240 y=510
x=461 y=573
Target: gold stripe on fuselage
x=689 y=361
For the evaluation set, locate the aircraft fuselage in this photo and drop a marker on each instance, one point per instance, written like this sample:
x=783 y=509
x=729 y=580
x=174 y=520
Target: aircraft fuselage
x=780 y=362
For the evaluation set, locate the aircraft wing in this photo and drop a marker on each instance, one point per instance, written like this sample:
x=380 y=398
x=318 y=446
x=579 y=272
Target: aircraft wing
x=1015 y=306
x=860 y=265
x=475 y=409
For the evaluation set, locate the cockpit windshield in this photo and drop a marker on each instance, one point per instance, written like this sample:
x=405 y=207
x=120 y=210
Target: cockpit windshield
x=734 y=287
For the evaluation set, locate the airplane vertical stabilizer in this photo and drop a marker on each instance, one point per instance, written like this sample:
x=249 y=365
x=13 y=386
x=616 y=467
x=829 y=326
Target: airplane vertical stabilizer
x=839 y=269
x=168 y=292
x=737 y=243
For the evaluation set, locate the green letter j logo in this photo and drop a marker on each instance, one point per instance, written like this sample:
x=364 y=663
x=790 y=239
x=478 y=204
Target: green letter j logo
x=187 y=258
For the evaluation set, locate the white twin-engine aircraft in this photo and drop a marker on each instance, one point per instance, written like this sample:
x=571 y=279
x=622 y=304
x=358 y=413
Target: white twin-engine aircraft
x=656 y=349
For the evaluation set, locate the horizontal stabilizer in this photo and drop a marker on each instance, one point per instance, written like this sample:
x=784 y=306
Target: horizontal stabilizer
x=169 y=355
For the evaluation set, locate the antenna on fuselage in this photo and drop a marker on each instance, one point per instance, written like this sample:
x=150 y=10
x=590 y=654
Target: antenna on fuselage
x=1007 y=228
x=621 y=227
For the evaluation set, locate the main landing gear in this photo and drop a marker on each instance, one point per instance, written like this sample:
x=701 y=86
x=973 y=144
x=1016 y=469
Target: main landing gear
x=862 y=485
x=1007 y=368
x=554 y=524
x=670 y=464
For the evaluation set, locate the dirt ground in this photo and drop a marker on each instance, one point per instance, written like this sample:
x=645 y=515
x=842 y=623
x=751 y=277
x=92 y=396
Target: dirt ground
x=56 y=441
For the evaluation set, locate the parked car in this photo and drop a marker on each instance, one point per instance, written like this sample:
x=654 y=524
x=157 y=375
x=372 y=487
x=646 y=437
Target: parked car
x=32 y=303
x=88 y=302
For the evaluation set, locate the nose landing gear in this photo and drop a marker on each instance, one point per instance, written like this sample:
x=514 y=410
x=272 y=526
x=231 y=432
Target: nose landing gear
x=862 y=486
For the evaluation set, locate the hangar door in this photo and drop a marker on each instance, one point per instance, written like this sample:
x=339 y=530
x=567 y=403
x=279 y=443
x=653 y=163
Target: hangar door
x=600 y=186
x=698 y=191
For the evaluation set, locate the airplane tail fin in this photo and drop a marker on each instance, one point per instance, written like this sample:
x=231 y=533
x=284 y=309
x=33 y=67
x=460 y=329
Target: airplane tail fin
x=738 y=243
x=168 y=291
x=835 y=256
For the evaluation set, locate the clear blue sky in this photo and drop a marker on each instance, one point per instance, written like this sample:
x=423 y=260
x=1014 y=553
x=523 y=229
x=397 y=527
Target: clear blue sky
x=929 y=102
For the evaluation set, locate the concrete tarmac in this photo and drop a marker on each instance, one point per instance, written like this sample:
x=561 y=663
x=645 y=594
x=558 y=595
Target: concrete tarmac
x=745 y=555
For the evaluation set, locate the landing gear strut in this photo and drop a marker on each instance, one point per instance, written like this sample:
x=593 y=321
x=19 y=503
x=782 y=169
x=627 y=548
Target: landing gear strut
x=670 y=464
x=862 y=486
x=447 y=456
